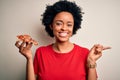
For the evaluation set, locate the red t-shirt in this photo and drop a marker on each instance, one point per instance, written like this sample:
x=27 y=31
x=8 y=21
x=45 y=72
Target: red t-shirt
x=50 y=65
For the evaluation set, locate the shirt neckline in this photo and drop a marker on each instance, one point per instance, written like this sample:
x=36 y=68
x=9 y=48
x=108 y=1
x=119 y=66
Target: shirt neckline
x=66 y=53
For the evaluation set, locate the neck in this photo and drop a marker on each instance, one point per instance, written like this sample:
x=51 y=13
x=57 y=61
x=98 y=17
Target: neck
x=63 y=47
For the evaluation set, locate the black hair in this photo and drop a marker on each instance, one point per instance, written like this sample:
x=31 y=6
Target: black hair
x=60 y=6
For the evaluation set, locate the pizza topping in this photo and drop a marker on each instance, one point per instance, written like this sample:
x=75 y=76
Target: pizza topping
x=27 y=38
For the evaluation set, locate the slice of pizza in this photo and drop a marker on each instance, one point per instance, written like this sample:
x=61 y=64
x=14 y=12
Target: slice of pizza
x=27 y=38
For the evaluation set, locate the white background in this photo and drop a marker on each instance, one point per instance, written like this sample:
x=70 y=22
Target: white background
x=101 y=24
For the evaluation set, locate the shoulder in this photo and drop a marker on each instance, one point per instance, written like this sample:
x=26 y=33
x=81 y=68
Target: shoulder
x=42 y=49
x=81 y=48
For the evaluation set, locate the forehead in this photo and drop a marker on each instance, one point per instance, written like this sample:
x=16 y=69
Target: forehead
x=64 y=16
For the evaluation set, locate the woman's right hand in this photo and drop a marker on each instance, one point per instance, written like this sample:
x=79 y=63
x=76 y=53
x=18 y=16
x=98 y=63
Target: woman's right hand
x=25 y=49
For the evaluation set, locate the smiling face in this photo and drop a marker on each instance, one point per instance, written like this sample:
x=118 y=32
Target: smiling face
x=62 y=26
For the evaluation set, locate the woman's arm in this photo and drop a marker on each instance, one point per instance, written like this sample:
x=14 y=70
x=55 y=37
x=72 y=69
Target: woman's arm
x=94 y=54
x=30 y=70
x=92 y=75
x=25 y=50
x=91 y=68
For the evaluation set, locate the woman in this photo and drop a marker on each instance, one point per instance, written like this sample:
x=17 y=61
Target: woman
x=62 y=60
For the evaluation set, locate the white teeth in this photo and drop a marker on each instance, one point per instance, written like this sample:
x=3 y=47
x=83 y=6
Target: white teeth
x=63 y=34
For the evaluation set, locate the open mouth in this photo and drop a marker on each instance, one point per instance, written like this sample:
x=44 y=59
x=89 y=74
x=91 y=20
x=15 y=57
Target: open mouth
x=63 y=34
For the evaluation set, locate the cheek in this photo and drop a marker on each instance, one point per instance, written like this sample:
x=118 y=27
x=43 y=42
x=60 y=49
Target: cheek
x=55 y=30
x=71 y=30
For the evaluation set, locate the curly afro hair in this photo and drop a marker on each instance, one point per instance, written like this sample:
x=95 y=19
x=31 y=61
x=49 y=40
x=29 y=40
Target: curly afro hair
x=60 y=6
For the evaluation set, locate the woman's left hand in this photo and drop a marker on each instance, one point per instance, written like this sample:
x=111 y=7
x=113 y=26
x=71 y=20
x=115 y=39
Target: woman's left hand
x=96 y=52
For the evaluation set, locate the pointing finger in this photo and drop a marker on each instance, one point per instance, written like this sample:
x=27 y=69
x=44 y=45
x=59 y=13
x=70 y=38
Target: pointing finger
x=105 y=48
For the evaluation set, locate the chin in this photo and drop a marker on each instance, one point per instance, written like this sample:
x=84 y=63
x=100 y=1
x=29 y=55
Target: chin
x=63 y=39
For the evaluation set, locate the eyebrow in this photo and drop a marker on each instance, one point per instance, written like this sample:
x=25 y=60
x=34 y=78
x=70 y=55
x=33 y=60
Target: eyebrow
x=62 y=21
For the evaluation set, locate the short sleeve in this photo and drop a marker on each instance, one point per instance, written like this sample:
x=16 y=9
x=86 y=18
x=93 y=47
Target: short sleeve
x=35 y=63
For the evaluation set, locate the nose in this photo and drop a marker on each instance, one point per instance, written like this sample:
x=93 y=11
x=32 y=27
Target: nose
x=64 y=27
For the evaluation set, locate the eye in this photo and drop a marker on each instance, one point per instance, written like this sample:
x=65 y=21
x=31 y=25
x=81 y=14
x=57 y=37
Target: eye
x=70 y=25
x=58 y=23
